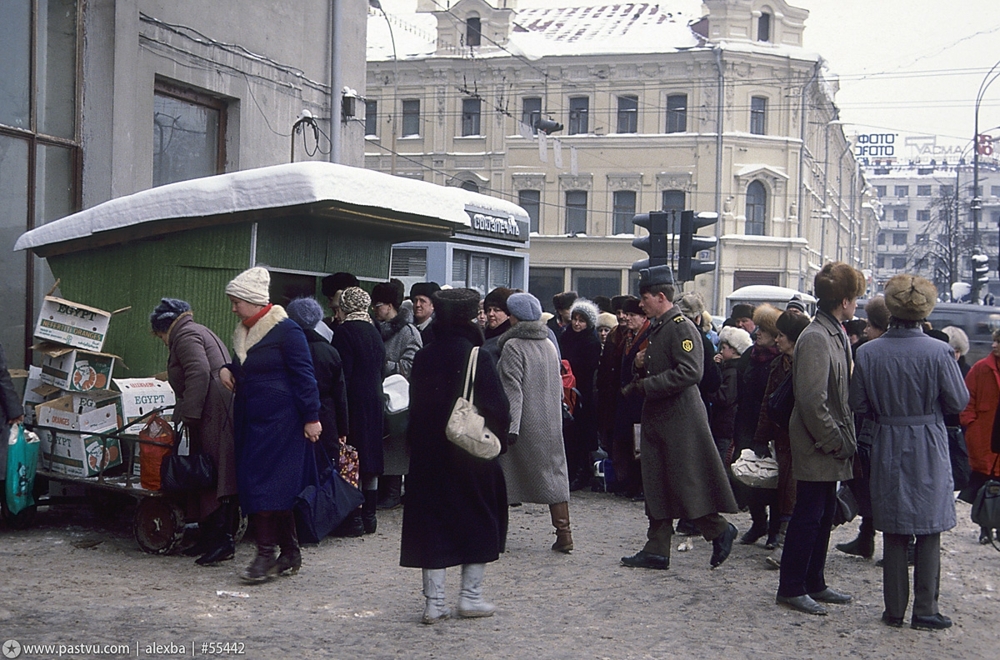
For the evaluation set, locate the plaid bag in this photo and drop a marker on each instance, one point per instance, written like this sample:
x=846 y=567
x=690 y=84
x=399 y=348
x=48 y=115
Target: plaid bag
x=348 y=465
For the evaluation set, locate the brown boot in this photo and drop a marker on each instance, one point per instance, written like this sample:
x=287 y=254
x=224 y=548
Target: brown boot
x=560 y=520
x=290 y=559
x=265 y=564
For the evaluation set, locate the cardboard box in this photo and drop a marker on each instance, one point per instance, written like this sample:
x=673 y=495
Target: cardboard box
x=92 y=413
x=140 y=396
x=73 y=369
x=73 y=324
x=78 y=454
x=35 y=392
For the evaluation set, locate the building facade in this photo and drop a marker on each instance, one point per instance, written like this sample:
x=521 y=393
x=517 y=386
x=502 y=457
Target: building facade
x=105 y=98
x=588 y=116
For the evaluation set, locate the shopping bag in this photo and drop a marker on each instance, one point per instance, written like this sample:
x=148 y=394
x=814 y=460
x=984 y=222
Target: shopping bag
x=22 y=461
x=755 y=471
x=156 y=441
x=325 y=502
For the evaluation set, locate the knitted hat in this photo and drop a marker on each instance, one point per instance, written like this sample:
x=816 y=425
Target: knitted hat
x=631 y=306
x=796 y=303
x=909 y=297
x=738 y=338
x=564 y=300
x=742 y=311
x=498 y=298
x=390 y=293
x=587 y=309
x=524 y=307
x=252 y=286
x=455 y=306
x=305 y=311
x=692 y=305
x=338 y=282
x=166 y=313
x=877 y=313
x=606 y=320
x=426 y=289
x=354 y=299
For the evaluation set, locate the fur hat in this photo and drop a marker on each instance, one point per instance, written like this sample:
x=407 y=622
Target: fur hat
x=587 y=309
x=564 y=300
x=838 y=281
x=426 y=289
x=691 y=304
x=738 y=338
x=498 y=298
x=742 y=311
x=631 y=306
x=606 y=320
x=765 y=317
x=338 y=282
x=655 y=275
x=957 y=339
x=524 y=307
x=455 y=306
x=390 y=293
x=305 y=311
x=166 y=313
x=617 y=302
x=877 y=313
x=910 y=298
x=354 y=299
x=252 y=286
x=546 y=317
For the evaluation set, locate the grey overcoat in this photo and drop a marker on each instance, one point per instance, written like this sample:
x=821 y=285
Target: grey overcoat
x=402 y=341
x=534 y=467
x=908 y=382
x=821 y=430
x=682 y=473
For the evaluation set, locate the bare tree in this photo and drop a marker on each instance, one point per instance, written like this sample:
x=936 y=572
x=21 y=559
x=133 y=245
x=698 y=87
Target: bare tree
x=942 y=243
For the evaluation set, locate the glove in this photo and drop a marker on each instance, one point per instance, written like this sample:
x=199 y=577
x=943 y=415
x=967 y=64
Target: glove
x=632 y=388
x=762 y=451
x=511 y=438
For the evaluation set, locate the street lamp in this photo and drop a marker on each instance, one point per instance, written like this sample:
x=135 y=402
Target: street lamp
x=977 y=201
x=376 y=4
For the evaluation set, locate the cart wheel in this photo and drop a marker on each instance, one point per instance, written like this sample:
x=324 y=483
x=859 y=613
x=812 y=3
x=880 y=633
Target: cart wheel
x=22 y=520
x=158 y=525
x=240 y=526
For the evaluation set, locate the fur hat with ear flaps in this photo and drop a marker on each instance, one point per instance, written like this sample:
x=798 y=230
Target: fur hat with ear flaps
x=910 y=298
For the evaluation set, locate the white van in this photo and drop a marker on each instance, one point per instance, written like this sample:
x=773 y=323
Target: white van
x=775 y=295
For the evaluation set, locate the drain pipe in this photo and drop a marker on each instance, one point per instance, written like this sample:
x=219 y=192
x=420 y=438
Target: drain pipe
x=719 y=117
x=336 y=77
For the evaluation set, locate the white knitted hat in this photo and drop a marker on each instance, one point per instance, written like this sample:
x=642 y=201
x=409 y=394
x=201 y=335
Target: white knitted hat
x=252 y=286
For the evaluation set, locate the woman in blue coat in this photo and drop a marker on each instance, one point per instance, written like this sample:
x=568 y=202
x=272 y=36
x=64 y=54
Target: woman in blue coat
x=276 y=415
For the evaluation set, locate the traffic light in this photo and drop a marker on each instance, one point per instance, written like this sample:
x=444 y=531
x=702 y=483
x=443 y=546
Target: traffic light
x=980 y=268
x=688 y=265
x=656 y=244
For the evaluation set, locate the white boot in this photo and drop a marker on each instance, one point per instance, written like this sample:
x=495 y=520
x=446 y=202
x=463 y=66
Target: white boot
x=435 y=609
x=470 y=599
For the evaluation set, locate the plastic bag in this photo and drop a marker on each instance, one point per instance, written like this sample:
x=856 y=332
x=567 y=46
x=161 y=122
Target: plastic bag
x=22 y=461
x=156 y=440
x=755 y=471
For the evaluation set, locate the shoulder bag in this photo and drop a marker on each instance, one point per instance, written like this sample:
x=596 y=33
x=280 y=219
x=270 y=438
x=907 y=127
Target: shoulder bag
x=396 y=391
x=325 y=502
x=847 y=505
x=986 y=506
x=466 y=427
x=186 y=473
x=781 y=402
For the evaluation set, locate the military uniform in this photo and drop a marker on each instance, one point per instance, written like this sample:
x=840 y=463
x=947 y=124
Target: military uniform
x=682 y=474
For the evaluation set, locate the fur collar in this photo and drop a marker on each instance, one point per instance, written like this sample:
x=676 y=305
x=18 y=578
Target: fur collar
x=388 y=329
x=525 y=330
x=177 y=322
x=245 y=338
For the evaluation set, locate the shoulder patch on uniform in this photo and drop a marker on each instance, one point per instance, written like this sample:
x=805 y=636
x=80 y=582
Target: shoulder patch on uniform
x=687 y=345
x=680 y=319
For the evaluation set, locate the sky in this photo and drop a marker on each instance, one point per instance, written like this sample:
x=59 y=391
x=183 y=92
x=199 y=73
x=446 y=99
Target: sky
x=910 y=67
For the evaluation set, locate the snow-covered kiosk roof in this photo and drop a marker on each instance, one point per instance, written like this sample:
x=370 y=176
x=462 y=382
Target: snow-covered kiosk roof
x=415 y=209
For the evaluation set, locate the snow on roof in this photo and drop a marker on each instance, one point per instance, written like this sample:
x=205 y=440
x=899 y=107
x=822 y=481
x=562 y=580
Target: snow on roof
x=272 y=188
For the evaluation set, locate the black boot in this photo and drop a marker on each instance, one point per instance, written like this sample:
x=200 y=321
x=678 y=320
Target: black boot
x=773 y=529
x=758 y=514
x=265 y=564
x=290 y=560
x=220 y=530
x=392 y=487
x=368 y=519
x=864 y=545
x=351 y=528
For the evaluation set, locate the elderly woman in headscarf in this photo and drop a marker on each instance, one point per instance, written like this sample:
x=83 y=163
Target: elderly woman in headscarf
x=203 y=404
x=456 y=503
x=276 y=414
x=363 y=353
x=911 y=481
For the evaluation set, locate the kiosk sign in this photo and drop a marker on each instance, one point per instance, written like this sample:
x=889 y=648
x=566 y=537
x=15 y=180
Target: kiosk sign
x=506 y=228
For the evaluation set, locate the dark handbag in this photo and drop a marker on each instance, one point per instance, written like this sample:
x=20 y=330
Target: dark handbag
x=961 y=471
x=326 y=502
x=186 y=473
x=781 y=402
x=847 y=505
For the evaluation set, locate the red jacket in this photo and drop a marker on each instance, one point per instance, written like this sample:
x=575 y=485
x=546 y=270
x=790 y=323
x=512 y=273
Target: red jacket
x=983 y=381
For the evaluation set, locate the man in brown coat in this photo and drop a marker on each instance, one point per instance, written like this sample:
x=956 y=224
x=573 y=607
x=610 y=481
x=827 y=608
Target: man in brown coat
x=821 y=432
x=682 y=474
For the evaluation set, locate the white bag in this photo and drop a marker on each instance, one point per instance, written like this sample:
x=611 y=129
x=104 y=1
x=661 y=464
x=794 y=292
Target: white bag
x=397 y=394
x=466 y=427
x=754 y=471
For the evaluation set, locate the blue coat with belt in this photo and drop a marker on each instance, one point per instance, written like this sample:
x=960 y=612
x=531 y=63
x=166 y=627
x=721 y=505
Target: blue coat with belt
x=276 y=395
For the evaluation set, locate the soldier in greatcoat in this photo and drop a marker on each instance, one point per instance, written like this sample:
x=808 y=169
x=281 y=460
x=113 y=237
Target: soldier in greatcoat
x=682 y=473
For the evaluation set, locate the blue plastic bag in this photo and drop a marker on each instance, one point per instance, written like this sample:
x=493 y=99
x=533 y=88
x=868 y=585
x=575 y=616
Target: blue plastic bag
x=22 y=460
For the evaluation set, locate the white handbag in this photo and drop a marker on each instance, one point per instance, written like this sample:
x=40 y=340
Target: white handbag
x=754 y=471
x=397 y=394
x=466 y=427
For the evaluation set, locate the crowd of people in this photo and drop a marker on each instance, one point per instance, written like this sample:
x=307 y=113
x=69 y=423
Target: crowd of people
x=651 y=388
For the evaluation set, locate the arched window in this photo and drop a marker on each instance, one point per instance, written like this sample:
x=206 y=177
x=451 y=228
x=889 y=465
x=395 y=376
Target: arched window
x=756 y=208
x=473 y=31
x=764 y=27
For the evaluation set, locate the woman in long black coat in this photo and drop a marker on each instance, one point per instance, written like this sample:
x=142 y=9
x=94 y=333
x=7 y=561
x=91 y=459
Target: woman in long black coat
x=580 y=345
x=456 y=506
x=363 y=353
